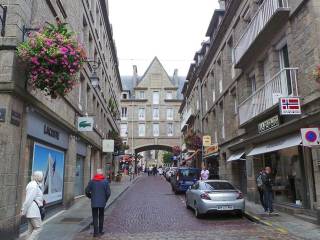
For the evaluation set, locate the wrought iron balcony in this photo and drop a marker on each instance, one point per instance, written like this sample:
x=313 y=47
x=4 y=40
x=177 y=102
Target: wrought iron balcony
x=283 y=84
x=264 y=23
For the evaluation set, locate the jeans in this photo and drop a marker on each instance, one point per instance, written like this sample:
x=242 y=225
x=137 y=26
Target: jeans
x=34 y=228
x=98 y=218
x=268 y=200
x=261 y=193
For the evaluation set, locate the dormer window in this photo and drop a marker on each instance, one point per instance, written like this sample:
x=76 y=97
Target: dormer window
x=124 y=95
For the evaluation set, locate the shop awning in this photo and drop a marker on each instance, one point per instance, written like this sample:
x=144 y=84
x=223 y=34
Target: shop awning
x=211 y=155
x=236 y=156
x=280 y=143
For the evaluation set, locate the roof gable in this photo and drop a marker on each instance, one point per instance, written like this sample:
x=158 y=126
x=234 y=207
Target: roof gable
x=155 y=76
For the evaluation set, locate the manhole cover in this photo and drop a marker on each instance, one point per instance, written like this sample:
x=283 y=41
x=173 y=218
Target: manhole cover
x=71 y=220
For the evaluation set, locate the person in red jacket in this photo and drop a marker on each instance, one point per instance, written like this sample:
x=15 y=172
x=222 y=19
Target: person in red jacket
x=98 y=190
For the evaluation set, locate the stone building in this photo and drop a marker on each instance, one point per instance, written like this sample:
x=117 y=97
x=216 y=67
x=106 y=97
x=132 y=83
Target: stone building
x=149 y=109
x=259 y=52
x=40 y=133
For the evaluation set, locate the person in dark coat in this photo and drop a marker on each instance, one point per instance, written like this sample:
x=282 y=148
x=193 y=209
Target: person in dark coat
x=267 y=190
x=98 y=190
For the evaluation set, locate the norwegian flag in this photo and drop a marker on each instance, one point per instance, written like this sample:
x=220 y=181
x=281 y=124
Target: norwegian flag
x=290 y=106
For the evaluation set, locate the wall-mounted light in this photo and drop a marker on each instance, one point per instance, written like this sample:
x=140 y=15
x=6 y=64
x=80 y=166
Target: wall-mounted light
x=3 y=16
x=94 y=78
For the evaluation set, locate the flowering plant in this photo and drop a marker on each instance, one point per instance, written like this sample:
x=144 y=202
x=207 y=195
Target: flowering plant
x=53 y=56
x=176 y=150
x=193 y=141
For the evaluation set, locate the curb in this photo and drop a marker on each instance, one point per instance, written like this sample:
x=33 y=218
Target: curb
x=88 y=221
x=257 y=219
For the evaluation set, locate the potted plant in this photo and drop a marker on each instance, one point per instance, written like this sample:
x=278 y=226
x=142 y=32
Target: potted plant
x=53 y=57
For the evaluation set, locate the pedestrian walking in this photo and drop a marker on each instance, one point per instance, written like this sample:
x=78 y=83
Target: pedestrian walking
x=204 y=174
x=267 y=190
x=260 y=188
x=32 y=204
x=98 y=190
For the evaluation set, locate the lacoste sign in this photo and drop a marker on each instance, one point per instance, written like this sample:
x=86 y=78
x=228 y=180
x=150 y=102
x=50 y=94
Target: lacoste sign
x=85 y=124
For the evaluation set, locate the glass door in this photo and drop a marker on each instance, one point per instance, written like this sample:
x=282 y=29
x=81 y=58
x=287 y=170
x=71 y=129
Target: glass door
x=79 y=182
x=286 y=82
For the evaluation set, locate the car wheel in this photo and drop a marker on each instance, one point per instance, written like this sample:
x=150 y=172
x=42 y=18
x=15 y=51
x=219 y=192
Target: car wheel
x=187 y=204
x=240 y=214
x=196 y=213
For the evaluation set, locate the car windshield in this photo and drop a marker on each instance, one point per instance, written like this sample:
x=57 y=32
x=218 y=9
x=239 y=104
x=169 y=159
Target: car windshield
x=219 y=186
x=190 y=173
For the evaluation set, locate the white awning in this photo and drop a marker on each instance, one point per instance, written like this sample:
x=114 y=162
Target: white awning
x=281 y=143
x=236 y=156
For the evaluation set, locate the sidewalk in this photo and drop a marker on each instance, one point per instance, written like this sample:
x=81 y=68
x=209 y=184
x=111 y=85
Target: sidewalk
x=283 y=222
x=67 y=223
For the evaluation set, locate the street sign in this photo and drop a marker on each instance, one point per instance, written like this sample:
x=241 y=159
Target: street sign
x=310 y=136
x=290 y=106
x=108 y=145
x=206 y=140
x=85 y=124
x=212 y=149
x=269 y=124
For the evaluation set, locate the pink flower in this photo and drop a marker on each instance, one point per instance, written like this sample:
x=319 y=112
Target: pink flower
x=63 y=50
x=35 y=60
x=49 y=42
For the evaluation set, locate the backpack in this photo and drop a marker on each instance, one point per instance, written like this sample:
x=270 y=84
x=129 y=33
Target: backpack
x=259 y=180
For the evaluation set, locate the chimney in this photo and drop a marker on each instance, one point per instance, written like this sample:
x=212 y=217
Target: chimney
x=135 y=76
x=175 y=78
x=222 y=4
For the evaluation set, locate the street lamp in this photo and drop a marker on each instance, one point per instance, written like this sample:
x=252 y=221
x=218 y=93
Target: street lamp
x=94 y=78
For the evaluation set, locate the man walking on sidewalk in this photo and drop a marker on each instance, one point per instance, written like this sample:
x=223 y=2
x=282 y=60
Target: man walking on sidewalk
x=260 y=188
x=98 y=190
x=267 y=190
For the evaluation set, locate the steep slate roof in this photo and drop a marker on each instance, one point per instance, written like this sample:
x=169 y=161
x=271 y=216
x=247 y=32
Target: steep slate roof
x=127 y=81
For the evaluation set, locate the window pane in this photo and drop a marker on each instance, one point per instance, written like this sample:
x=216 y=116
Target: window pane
x=170 y=129
x=141 y=114
x=141 y=130
x=155 y=129
x=155 y=98
x=155 y=114
x=169 y=95
x=169 y=114
x=219 y=186
x=124 y=131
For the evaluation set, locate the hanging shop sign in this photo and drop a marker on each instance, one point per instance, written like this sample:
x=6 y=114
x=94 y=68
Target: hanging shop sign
x=85 y=124
x=2 y=114
x=212 y=149
x=206 y=140
x=290 y=106
x=268 y=124
x=310 y=136
x=108 y=146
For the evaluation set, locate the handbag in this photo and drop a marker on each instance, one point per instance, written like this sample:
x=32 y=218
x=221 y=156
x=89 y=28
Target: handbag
x=42 y=210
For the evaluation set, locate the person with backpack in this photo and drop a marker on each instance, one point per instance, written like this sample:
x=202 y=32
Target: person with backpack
x=267 y=190
x=32 y=204
x=260 y=188
x=98 y=190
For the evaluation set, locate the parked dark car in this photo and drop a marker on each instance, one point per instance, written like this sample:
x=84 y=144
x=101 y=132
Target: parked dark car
x=183 y=178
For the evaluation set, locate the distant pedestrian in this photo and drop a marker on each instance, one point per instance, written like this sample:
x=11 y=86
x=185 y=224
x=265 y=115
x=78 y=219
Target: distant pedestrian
x=204 y=174
x=155 y=171
x=98 y=190
x=267 y=190
x=260 y=188
x=31 y=206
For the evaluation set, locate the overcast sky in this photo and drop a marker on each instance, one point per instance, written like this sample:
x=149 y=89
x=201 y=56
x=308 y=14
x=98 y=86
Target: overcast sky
x=172 y=30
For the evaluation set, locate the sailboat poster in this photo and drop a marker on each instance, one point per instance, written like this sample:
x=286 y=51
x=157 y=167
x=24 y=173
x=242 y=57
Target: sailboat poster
x=51 y=162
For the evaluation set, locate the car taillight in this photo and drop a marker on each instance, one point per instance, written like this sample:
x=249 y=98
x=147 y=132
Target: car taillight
x=240 y=195
x=205 y=196
x=178 y=176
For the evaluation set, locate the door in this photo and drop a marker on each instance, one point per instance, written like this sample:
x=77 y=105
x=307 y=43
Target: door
x=79 y=182
x=286 y=81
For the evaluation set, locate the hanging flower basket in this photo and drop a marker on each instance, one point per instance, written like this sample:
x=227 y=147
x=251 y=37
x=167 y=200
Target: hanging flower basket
x=176 y=150
x=53 y=57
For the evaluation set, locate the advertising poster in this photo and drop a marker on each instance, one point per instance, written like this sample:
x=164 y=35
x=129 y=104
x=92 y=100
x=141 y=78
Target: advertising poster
x=51 y=162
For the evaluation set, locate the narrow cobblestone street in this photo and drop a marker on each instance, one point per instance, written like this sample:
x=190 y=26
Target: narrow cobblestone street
x=150 y=210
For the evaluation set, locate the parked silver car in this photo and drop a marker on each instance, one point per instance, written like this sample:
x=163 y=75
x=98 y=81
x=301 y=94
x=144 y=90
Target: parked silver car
x=211 y=196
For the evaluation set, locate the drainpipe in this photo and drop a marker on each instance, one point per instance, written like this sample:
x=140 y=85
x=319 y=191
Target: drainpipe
x=201 y=116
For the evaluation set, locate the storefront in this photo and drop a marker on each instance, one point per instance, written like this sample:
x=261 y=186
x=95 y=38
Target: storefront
x=211 y=160
x=238 y=168
x=79 y=172
x=285 y=157
x=47 y=145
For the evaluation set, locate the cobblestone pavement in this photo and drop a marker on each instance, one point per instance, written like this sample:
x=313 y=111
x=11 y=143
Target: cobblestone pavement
x=149 y=210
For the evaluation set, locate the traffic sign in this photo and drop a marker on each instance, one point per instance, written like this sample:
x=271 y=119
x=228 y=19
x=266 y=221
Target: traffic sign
x=310 y=136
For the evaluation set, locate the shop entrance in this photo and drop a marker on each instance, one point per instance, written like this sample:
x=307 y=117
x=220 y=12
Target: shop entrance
x=78 y=181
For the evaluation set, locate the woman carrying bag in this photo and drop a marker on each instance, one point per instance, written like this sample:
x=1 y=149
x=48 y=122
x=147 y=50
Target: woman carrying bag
x=32 y=207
